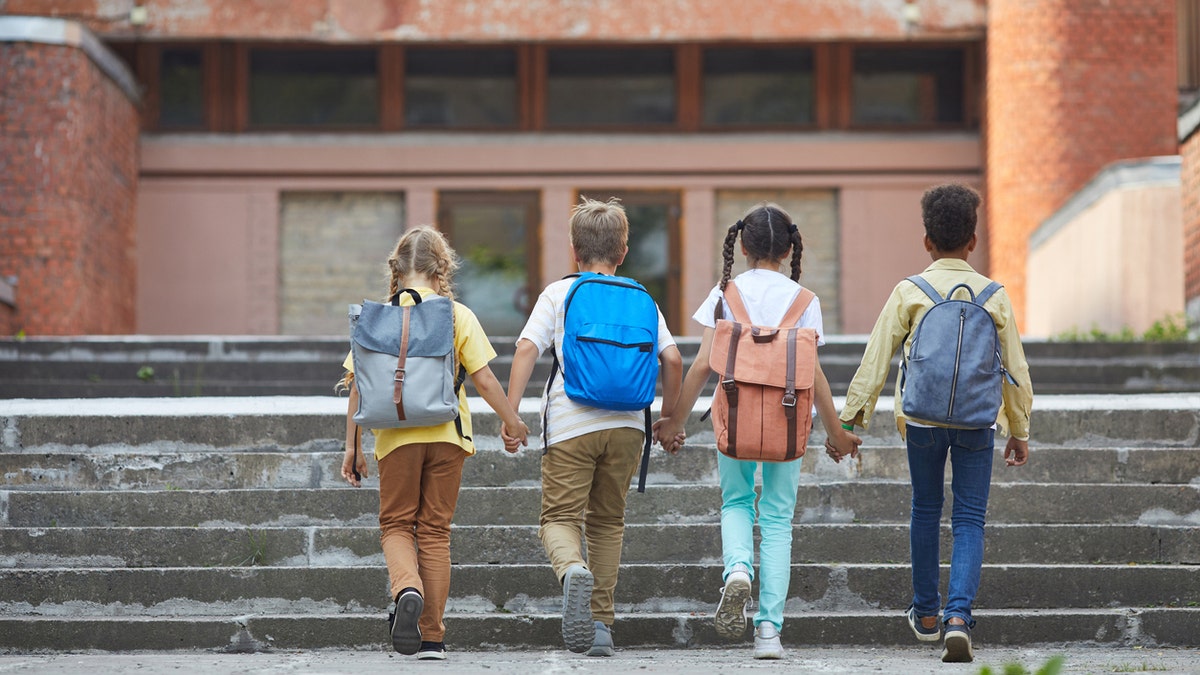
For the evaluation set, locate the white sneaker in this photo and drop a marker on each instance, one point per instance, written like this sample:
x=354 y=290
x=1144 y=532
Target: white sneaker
x=730 y=619
x=766 y=642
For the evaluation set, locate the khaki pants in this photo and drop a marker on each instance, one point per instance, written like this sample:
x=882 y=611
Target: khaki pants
x=418 y=491
x=584 y=483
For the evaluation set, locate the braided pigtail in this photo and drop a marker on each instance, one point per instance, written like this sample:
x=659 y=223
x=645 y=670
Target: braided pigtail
x=797 y=251
x=727 y=252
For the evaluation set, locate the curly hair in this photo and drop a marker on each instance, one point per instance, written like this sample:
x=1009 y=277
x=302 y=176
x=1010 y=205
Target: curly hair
x=767 y=233
x=950 y=215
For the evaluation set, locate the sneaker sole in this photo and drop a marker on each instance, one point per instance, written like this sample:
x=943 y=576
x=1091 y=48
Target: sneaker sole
x=730 y=619
x=958 y=648
x=923 y=637
x=578 y=631
x=406 y=634
x=431 y=656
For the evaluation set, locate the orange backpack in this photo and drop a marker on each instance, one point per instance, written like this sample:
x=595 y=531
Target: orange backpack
x=762 y=407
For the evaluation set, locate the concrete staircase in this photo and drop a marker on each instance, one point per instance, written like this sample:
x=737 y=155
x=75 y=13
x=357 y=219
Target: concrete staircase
x=222 y=523
x=146 y=366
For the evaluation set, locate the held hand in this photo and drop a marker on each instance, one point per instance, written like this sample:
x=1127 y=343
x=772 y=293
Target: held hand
x=514 y=435
x=1016 y=452
x=348 y=466
x=842 y=443
x=668 y=435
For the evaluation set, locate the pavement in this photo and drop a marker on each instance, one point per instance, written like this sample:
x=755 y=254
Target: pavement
x=915 y=660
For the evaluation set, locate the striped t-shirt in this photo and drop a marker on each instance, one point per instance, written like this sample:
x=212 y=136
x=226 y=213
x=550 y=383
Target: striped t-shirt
x=567 y=419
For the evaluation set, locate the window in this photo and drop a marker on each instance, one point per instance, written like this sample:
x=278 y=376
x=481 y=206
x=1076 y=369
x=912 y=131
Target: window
x=908 y=87
x=495 y=234
x=757 y=87
x=610 y=87
x=181 y=89
x=313 y=88
x=472 y=88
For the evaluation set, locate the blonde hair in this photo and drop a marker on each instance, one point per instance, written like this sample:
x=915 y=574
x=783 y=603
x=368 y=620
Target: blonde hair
x=599 y=230
x=422 y=250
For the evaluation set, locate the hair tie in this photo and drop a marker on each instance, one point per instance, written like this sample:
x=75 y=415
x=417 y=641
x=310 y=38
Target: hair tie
x=792 y=229
x=739 y=226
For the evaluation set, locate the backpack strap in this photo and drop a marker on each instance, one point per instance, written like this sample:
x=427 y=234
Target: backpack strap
x=799 y=306
x=737 y=308
x=987 y=292
x=398 y=380
x=925 y=286
x=728 y=384
x=554 y=368
x=645 y=456
x=458 y=384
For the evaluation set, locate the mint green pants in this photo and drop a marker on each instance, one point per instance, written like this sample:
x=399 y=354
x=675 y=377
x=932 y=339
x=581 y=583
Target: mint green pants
x=774 y=515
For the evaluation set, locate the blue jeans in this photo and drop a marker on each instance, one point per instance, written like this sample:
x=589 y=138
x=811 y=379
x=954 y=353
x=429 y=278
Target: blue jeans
x=774 y=514
x=971 y=453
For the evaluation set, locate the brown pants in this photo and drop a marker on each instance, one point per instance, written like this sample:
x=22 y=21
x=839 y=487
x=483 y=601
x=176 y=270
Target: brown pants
x=418 y=491
x=584 y=483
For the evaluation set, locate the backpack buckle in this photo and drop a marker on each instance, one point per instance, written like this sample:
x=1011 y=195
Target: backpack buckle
x=729 y=385
x=789 y=400
x=399 y=375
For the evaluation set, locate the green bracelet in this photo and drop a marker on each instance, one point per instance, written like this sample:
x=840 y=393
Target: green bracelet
x=847 y=427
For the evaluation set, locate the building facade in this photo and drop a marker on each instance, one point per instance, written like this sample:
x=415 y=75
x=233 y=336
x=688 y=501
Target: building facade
x=268 y=154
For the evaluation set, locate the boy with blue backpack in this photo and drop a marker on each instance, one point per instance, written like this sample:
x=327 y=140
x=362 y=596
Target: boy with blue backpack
x=963 y=374
x=610 y=342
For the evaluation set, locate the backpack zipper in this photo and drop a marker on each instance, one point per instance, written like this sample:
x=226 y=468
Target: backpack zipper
x=962 y=320
x=640 y=346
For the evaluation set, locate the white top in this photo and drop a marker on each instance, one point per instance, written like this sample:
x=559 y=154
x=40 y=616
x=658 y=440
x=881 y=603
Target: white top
x=568 y=419
x=767 y=296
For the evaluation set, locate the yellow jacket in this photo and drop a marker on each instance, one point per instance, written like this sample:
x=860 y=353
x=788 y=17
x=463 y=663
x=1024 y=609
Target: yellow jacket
x=900 y=315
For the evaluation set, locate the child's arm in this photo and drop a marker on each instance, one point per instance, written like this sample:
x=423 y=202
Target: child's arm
x=888 y=334
x=670 y=426
x=843 y=441
x=523 y=361
x=671 y=371
x=352 y=458
x=511 y=425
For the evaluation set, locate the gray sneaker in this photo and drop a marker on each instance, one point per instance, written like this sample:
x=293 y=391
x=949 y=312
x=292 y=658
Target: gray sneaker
x=767 y=644
x=406 y=634
x=956 y=647
x=730 y=619
x=603 y=644
x=578 y=631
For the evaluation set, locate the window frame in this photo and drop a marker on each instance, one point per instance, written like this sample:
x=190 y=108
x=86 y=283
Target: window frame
x=242 y=68
x=971 y=73
x=819 y=81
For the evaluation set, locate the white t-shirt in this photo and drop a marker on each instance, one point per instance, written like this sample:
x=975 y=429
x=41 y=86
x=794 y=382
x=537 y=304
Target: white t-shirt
x=568 y=419
x=767 y=296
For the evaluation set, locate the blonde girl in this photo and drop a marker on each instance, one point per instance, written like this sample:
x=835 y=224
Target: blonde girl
x=768 y=237
x=420 y=468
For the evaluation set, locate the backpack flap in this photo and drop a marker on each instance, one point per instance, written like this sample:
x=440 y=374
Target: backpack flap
x=759 y=354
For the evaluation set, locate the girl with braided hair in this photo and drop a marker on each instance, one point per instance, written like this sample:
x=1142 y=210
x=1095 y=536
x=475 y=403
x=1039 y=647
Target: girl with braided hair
x=768 y=237
x=420 y=468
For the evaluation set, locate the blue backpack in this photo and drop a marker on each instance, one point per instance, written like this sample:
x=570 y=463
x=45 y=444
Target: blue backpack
x=953 y=374
x=609 y=348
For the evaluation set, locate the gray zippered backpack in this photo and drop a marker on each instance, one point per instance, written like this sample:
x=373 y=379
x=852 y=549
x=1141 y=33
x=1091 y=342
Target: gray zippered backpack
x=953 y=374
x=404 y=365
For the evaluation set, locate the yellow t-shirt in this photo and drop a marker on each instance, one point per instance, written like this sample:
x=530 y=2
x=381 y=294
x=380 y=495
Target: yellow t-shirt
x=473 y=351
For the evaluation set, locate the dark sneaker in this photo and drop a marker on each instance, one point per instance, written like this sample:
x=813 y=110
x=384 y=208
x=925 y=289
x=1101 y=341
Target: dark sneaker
x=432 y=651
x=957 y=647
x=730 y=619
x=578 y=631
x=603 y=644
x=923 y=634
x=406 y=634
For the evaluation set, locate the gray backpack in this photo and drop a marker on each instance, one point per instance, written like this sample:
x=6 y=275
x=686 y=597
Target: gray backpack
x=404 y=365
x=953 y=374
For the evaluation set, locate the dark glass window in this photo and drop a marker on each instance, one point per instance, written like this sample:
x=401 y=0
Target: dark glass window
x=180 y=89
x=908 y=86
x=318 y=88
x=460 y=88
x=757 y=87
x=610 y=87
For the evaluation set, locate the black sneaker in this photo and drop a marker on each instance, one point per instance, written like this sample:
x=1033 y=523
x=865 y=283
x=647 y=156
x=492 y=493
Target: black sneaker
x=923 y=634
x=406 y=634
x=957 y=647
x=432 y=651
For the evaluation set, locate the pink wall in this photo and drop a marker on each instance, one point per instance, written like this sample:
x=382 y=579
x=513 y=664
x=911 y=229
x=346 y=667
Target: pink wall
x=209 y=217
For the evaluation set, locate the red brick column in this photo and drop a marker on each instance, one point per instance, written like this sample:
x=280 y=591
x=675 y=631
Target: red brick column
x=1190 y=190
x=1072 y=85
x=68 y=183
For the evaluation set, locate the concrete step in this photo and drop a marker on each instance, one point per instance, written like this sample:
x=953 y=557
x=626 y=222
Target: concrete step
x=311 y=546
x=824 y=502
x=208 y=469
x=533 y=589
x=260 y=631
x=145 y=366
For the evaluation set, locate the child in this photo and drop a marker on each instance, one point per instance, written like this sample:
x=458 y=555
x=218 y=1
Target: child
x=768 y=236
x=949 y=213
x=592 y=453
x=420 y=468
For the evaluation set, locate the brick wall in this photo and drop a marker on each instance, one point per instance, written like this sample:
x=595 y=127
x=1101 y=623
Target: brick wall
x=1072 y=86
x=68 y=157
x=1190 y=190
